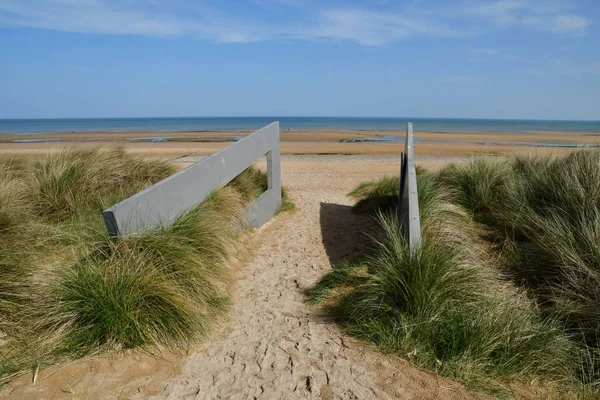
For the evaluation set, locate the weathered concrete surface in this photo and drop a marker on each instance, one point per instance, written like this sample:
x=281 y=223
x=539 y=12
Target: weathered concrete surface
x=408 y=205
x=164 y=202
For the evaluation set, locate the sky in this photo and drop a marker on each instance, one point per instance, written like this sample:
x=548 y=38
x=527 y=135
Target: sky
x=518 y=59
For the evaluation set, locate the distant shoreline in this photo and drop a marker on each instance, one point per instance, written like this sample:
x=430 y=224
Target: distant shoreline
x=165 y=144
x=314 y=130
x=288 y=124
x=235 y=132
x=317 y=135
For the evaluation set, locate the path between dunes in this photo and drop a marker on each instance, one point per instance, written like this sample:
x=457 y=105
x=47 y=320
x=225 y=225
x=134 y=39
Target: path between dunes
x=274 y=345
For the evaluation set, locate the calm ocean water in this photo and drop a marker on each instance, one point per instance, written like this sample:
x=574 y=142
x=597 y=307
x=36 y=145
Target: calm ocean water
x=25 y=126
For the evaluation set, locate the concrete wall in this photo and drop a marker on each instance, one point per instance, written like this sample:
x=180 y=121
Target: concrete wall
x=408 y=204
x=162 y=203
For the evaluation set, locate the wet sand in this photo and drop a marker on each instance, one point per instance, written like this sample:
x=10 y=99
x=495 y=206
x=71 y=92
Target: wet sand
x=305 y=142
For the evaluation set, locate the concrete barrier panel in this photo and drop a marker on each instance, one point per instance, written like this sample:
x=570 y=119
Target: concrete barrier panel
x=408 y=199
x=162 y=203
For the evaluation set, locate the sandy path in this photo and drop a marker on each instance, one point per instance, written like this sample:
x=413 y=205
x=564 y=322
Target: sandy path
x=273 y=345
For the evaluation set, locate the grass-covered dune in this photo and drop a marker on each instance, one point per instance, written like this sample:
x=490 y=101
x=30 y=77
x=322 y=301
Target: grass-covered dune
x=67 y=290
x=506 y=287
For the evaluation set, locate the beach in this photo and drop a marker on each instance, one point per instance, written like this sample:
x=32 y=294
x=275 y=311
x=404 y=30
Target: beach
x=286 y=199
x=271 y=323
x=323 y=141
x=273 y=344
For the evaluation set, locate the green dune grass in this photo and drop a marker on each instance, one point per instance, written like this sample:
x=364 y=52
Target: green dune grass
x=505 y=288
x=67 y=290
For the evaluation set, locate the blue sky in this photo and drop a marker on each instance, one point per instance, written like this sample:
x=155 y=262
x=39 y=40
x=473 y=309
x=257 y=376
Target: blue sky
x=535 y=59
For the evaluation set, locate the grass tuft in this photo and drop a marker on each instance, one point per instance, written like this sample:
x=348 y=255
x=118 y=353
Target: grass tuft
x=381 y=194
x=449 y=307
x=544 y=220
x=476 y=185
x=253 y=182
x=67 y=290
x=165 y=288
x=81 y=181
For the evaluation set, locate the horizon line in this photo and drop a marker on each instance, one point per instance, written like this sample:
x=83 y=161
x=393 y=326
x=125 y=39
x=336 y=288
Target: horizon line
x=303 y=116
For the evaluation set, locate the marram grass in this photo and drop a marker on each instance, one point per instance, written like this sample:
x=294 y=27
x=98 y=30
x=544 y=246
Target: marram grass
x=71 y=183
x=67 y=290
x=452 y=307
x=542 y=215
x=164 y=288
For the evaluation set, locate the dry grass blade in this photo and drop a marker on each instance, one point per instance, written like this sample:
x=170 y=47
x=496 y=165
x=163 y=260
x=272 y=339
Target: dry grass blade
x=67 y=290
x=449 y=307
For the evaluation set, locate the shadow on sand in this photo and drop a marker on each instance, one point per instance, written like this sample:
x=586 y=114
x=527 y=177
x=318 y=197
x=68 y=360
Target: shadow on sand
x=345 y=234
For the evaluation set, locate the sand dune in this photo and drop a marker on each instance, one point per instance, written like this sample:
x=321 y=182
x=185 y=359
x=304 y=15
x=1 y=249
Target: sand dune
x=273 y=345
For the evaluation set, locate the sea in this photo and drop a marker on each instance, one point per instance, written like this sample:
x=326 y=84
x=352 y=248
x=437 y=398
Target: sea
x=199 y=124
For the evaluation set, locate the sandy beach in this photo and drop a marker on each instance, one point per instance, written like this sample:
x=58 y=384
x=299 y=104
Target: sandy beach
x=273 y=344
x=292 y=200
x=174 y=144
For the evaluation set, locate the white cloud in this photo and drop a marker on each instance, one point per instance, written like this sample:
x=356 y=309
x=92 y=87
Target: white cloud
x=373 y=28
x=361 y=26
x=308 y=20
x=500 y=12
x=484 y=51
x=572 y=24
x=562 y=66
x=95 y=16
x=548 y=15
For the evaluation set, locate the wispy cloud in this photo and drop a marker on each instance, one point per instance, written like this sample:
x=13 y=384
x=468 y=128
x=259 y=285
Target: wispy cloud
x=96 y=16
x=484 y=51
x=548 y=15
x=372 y=28
x=571 y=67
x=573 y=24
x=89 y=16
x=562 y=67
x=377 y=24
